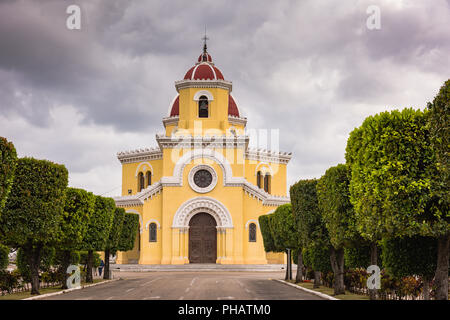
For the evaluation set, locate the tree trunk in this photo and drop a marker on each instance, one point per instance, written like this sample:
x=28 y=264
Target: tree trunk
x=426 y=289
x=337 y=264
x=441 y=275
x=373 y=261
x=317 y=275
x=34 y=259
x=286 y=277
x=106 y=268
x=90 y=262
x=65 y=264
x=299 y=275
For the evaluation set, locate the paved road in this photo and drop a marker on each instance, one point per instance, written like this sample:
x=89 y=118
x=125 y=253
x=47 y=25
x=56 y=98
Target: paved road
x=191 y=286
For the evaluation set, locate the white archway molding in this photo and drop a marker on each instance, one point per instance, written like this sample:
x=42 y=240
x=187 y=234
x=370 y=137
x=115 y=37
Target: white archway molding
x=150 y=221
x=142 y=164
x=252 y=221
x=177 y=178
x=265 y=165
x=141 y=222
x=202 y=204
x=206 y=93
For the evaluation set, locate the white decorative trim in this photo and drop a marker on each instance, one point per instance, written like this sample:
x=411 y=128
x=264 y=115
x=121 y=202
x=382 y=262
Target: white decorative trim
x=237 y=120
x=145 y=170
x=141 y=222
x=139 y=155
x=192 y=182
x=170 y=121
x=203 y=142
x=206 y=93
x=150 y=221
x=263 y=164
x=202 y=204
x=250 y=221
x=188 y=83
x=139 y=198
x=266 y=198
x=268 y=156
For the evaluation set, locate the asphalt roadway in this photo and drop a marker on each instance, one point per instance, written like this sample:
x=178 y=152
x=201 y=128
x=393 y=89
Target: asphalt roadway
x=213 y=285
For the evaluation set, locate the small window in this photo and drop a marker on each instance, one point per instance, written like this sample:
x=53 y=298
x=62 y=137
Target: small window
x=140 y=181
x=203 y=107
x=267 y=183
x=149 y=178
x=153 y=235
x=252 y=232
x=258 y=179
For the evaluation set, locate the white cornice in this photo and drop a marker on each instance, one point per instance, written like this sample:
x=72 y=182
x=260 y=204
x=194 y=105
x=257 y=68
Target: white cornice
x=202 y=142
x=170 y=120
x=139 y=198
x=139 y=155
x=182 y=84
x=237 y=120
x=268 y=156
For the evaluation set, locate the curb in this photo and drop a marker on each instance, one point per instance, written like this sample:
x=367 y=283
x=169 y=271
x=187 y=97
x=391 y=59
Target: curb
x=320 y=294
x=41 y=296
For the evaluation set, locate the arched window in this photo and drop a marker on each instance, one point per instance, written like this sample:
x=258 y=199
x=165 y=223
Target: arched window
x=140 y=181
x=152 y=233
x=148 y=178
x=267 y=183
x=203 y=107
x=252 y=232
x=258 y=179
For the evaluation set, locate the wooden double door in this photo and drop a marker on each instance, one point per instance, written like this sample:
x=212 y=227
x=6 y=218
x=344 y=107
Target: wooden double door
x=202 y=239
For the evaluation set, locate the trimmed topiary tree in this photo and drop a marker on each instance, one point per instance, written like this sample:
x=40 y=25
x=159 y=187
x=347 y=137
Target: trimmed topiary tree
x=112 y=243
x=8 y=161
x=268 y=241
x=79 y=206
x=339 y=217
x=393 y=166
x=32 y=215
x=310 y=226
x=129 y=231
x=98 y=230
x=438 y=124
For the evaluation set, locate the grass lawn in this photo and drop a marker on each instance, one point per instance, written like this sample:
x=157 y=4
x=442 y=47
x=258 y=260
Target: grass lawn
x=330 y=291
x=26 y=294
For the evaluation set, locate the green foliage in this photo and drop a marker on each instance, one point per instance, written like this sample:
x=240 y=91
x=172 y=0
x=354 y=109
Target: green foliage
x=317 y=257
x=392 y=165
x=8 y=160
x=283 y=228
x=9 y=281
x=358 y=255
x=99 y=224
x=415 y=256
x=306 y=212
x=129 y=231
x=59 y=257
x=335 y=207
x=22 y=262
x=84 y=256
x=35 y=205
x=269 y=244
x=79 y=206
x=439 y=126
x=116 y=228
x=4 y=256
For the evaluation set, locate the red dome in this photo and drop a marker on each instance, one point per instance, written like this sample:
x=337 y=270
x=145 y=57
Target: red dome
x=232 y=107
x=203 y=71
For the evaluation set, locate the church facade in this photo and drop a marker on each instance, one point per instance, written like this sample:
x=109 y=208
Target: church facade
x=200 y=192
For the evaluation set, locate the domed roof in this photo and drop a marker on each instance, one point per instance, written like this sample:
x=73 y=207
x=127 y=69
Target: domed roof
x=204 y=69
x=232 y=107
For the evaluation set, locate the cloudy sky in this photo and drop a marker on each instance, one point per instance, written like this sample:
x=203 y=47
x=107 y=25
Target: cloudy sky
x=311 y=69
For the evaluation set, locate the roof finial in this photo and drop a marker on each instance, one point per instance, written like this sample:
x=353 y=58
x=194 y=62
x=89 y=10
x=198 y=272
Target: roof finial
x=204 y=41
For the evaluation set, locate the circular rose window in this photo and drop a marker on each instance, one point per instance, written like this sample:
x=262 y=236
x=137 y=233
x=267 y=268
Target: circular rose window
x=202 y=178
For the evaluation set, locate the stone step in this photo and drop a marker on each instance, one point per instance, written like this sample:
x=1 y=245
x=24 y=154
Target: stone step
x=200 y=267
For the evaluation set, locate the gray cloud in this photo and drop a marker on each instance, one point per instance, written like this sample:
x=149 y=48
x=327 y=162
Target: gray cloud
x=311 y=69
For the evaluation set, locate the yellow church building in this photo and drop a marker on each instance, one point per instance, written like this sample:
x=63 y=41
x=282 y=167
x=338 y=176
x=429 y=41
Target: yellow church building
x=200 y=192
